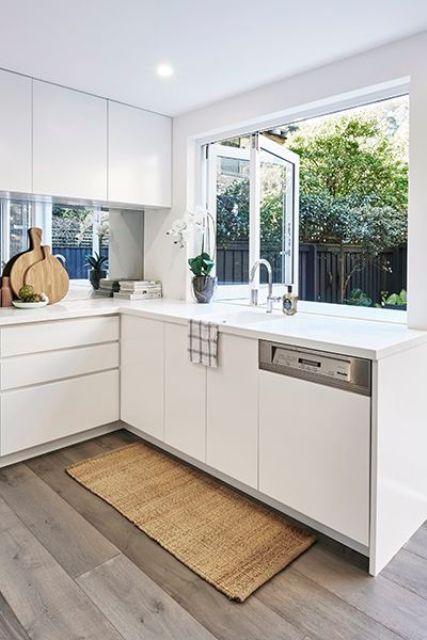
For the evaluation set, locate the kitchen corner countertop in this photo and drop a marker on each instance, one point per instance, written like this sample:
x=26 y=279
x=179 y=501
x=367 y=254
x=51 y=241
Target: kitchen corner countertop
x=363 y=338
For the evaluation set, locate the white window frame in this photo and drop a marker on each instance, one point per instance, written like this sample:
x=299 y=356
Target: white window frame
x=5 y=228
x=258 y=144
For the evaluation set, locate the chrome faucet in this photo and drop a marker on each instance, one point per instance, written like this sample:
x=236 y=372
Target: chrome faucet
x=254 y=290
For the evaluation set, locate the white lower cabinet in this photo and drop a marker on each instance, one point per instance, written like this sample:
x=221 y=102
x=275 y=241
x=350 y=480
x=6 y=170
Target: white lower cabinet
x=185 y=395
x=41 y=414
x=142 y=374
x=315 y=452
x=232 y=410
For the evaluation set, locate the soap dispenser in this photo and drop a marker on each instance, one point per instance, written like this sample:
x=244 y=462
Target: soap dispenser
x=289 y=302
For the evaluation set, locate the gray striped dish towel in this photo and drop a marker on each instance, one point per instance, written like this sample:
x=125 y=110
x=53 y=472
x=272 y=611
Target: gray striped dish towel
x=203 y=342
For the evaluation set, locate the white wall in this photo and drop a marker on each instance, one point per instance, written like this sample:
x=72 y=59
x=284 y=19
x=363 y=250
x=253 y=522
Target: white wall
x=315 y=89
x=126 y=244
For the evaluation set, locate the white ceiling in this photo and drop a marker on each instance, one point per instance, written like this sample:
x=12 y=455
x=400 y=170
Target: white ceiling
x=217 y=47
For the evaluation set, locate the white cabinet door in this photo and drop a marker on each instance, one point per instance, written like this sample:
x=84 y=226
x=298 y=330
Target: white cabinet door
x=314 y=452
x=15 y=133
x=139 y=156
x=69 y=143
x=40 y=414
x=185 y=395
x=142 y=374
x=232 y=410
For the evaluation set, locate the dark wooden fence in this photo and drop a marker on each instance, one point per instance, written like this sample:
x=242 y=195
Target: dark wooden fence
x=319 y=269
x=75 y=259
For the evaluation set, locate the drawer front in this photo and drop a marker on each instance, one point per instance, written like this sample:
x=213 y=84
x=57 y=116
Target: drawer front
x=41 y=414
x=59 y=334
x=37 y=368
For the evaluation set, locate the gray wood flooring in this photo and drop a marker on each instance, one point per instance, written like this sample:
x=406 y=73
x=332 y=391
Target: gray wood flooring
x=72 y=568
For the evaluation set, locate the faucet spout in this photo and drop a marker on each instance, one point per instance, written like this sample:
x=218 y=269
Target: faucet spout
x=254 y=290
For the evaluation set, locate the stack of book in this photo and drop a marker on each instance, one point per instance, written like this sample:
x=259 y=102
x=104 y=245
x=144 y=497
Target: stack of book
x=139 y=290
x=107 y=287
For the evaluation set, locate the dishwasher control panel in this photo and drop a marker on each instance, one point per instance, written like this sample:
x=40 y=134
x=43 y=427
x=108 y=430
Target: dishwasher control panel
x=336 y=370
x=319 y=365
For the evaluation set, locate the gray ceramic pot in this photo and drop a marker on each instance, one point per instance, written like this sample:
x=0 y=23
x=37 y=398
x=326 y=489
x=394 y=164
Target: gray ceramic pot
x=204 y=288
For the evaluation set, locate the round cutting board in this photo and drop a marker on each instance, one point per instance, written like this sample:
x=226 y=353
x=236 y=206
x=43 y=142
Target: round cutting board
x=23 y=261
x=48 y=276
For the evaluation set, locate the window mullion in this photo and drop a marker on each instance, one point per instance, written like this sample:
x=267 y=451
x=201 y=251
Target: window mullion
x=254 y=205
x=5 y=227
x=96 y=245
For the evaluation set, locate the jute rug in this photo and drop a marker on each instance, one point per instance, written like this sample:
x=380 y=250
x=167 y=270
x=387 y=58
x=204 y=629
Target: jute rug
x=231 y=541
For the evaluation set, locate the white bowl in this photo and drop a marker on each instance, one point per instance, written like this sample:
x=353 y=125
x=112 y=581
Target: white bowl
x=29 y=305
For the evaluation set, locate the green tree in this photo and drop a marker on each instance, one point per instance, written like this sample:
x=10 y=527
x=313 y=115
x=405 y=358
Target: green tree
x=354 y=191
x=352 y=156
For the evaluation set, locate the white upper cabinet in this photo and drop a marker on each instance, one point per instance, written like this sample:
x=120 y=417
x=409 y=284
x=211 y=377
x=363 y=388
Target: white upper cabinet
x=15 y=132
x=139 y=156
x=69 y=143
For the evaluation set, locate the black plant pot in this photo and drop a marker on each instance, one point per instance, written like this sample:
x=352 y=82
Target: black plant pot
x=204 y=288
x=396 y=307
x=95 y=276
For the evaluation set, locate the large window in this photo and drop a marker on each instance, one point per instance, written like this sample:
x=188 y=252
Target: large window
x=74 y=233
x=351 y=247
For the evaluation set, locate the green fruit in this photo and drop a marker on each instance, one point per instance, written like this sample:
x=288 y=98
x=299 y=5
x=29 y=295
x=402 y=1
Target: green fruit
x=26 y=292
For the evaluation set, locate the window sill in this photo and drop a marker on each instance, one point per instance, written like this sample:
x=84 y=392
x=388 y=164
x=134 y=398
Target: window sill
x=79 y=290
x=352 y=312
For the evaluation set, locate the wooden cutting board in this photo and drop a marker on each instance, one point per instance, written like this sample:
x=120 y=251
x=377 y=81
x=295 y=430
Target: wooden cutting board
x=21 y=263
x=48 y=276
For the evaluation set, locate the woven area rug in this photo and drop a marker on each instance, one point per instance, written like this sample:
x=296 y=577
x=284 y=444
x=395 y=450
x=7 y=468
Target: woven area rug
x=231 y=541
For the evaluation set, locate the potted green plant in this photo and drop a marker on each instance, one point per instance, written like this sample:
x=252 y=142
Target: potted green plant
x=394 y=300
x=359 y=298
x=203 y=283
x=202 y=264
x=98 y=268
x=193 y=226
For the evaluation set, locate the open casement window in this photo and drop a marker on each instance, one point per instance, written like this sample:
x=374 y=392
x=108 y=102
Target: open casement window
x=252 y=194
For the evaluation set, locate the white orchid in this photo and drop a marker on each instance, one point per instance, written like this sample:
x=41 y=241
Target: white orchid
x=100 y=223
x=182 y=228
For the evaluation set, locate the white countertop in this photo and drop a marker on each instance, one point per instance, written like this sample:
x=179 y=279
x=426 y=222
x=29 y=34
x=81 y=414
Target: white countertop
x=364 y=338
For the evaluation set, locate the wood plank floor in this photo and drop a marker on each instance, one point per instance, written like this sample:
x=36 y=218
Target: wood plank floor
x=72 y=568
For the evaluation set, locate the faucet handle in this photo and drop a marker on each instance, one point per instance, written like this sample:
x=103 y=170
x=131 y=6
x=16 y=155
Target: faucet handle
x=254 y=296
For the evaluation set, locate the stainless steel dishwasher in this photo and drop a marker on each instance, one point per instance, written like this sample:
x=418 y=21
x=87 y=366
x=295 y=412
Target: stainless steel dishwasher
x=314 y=437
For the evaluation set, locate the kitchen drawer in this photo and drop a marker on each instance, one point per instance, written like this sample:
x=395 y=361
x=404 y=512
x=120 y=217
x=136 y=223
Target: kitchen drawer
x=58 y=334
x=37 y=368
x=40 y=414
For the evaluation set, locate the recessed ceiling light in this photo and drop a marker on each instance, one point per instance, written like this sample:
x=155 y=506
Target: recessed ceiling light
x=164 y=70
